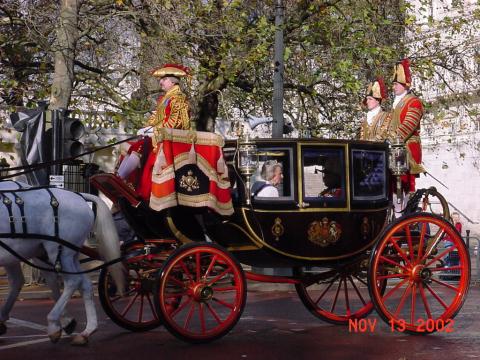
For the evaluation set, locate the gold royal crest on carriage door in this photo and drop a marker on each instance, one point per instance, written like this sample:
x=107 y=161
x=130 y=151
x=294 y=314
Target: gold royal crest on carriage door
x=324 y=232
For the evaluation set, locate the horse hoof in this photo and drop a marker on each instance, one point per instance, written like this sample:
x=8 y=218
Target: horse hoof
x=54 y=337
x=70 y=328
x=79 y=340
x=3 y=328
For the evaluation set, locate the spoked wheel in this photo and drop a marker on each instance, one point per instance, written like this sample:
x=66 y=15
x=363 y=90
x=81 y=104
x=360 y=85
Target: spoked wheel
x=200 y=293
x=336 y=295
x=424 y=293
x=135 y=311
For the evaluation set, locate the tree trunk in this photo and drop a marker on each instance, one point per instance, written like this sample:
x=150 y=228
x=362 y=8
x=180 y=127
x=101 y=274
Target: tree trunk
x=64 y=55
x=205 y=105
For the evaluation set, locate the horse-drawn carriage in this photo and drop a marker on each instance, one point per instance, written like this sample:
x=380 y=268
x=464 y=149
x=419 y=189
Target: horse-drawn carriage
x=328 y=224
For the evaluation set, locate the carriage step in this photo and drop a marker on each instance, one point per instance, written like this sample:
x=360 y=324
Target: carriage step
x=114 y=188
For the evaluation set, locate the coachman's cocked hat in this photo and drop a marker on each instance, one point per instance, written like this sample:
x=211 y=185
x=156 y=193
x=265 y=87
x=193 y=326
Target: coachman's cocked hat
x=175 y=70
x=402 y=73
x=377 y=89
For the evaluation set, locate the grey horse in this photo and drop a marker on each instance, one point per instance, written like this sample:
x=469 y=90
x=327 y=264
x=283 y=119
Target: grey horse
x=68 y=215
x=17 y=280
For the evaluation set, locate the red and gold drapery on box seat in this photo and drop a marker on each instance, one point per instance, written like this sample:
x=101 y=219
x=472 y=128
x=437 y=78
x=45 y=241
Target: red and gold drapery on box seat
x=190 y=170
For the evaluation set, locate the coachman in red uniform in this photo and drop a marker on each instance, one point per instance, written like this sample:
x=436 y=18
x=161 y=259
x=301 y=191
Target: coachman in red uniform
x=406 y=115
x=172 y=111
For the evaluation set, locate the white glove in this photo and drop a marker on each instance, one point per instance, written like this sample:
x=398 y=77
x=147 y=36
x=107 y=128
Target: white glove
x=147 y=131
x=129 y=163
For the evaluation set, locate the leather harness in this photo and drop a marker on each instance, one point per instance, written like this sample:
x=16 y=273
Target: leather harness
x=7 y=202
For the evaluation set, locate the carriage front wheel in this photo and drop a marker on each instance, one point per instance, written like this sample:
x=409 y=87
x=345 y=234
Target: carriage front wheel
x=427 y=266
x=135 y=310
x=200 y=292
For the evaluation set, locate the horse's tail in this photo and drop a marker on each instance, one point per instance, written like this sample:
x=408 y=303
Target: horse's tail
x=107 y=236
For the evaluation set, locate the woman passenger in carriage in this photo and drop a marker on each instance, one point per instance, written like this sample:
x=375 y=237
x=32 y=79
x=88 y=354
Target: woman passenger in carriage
x=172 y=112
x=272 y=172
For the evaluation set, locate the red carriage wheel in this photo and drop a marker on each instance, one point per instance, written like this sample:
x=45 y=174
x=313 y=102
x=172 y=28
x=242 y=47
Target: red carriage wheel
x=427 y=266
x=200 y=292
x=135 y=311
x=336 y=295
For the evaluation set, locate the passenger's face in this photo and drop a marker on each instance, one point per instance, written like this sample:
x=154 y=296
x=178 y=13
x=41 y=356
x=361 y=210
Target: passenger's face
x=398 y=89
x=277 y=176
x=329 y=179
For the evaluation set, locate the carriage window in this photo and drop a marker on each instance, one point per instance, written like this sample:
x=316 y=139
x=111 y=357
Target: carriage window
x=273 y=178
x=369 y=174
x=324 y=176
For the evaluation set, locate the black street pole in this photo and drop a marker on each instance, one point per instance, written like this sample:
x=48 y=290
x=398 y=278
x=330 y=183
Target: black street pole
x=277 y=128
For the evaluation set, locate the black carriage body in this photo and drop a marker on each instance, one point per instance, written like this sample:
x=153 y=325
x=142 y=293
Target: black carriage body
x=299 y=226
x=307 y=222
x=331 y=207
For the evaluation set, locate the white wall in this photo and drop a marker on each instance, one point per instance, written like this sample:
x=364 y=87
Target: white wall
x=461 y=174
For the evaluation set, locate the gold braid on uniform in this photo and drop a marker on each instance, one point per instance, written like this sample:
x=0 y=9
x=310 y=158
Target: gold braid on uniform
x=382 y=134
x=410 y=123
x=178 y=118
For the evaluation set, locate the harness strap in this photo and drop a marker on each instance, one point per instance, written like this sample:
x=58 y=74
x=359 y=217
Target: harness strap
x=20 y=189
x=54 y=204
x=20 y=203
x=51 y=238
x=8 y=205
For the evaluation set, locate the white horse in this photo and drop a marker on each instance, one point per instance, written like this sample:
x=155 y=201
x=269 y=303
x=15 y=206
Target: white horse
x=17 y=280
x=62 y=213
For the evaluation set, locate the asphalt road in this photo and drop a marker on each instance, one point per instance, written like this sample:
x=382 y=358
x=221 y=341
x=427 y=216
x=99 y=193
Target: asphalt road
x=275 y=325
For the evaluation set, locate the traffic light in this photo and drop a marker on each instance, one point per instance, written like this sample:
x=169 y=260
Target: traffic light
x=72 y=131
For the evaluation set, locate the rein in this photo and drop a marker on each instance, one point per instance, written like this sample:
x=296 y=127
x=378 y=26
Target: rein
x=29 y=168
x=58 y=241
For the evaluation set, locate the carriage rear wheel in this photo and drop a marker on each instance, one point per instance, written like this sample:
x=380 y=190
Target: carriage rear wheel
x=135 y=311
x=427 y=266
x=200 y=292
x=336 y=295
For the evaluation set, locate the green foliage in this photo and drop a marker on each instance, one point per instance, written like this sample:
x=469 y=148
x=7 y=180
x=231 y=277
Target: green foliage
x=332 y=49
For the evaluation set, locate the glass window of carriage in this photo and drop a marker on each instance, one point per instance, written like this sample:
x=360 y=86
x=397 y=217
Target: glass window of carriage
x=273 y=180
x=324 y=177
x=369 y=180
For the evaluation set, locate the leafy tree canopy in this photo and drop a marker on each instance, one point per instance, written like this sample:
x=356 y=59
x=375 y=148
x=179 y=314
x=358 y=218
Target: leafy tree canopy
x=332 y=49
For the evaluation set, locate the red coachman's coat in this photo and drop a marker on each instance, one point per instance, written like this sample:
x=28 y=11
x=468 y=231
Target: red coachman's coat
x=406 y=118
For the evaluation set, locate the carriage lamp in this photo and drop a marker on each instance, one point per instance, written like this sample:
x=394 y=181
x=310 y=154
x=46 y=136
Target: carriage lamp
x=398 y=163
x=247 y=162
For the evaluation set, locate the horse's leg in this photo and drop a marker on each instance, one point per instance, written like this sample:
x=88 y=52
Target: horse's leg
x=71 y=283
x=15 y=281
x=91 y=313
x=68 y=323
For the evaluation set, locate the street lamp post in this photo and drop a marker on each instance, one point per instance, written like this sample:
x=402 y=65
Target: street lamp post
x=277 y=128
